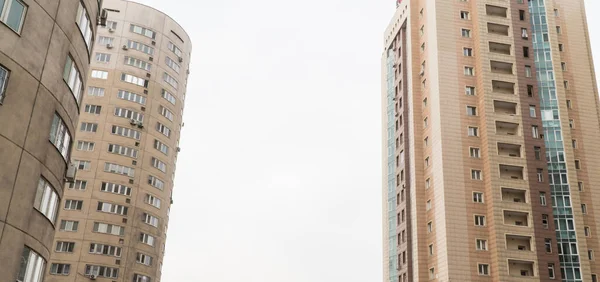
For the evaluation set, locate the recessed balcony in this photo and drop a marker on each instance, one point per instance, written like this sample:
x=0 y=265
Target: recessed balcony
x=507 y=128
x=518 y=243
x=506 y=108
x=518 y=268
x=514 y=195
x=500 y=48
x=498 y=29
x=496 y=11
x=501 y=67
x=511 y=172
x=516 y=218
x=503 y=87
x=509 y=150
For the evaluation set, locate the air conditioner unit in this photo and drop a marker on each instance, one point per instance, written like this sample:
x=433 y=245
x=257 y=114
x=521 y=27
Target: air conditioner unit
x=140 y=125
x=151 y=59
x=153 y=42
x=111 y=30
x=178 y=149
x=133 y=122
x=125 y=47
x=180 y=59
x=109 y=46
x=71 y=173
x=92 y=277
x=143 y=109
x=145 y=91
x=148 y=75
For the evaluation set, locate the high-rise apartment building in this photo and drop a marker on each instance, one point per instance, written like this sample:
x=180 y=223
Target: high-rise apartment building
x=490 y=142
x=45 y=51
x=113 y=218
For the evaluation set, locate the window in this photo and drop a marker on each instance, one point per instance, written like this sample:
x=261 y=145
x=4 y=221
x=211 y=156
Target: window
x=142 y=31
x=107 y=250
x=102 y=271
x=134 y=80
x=147 y=239
x=529 y=90
x=538 y=152
x=165 y=112
x=85 y=26
x=545 y=221
x=141 y=278
x=473 y=131
x=479 y=220
x=471 y=111
x=64 y=247
x=425 y=122
x=160 y=165
x=88 y=127
x=527 y=71
x=104 y=40
x=130 y=96
x=140 y=47
x=99 y=74
x=551 y=273
x=3 y=82
x=469 y=71
x=540 y=175
x=432 y=273
x=163 y=129
x=525 y=51
x=470 y=91
x=143 y=259
x=174 y=66
x=153 y=201
x=156 y=183
x=429 y=227
x=474 y=152
x=561 y=47
x=174 y=49
x=69 y=225
x=115 y=188
x=580 y=186
x=168 y=96
x=524 y=33
x=464 y=15
x=110 y=25
x=150 y=219
x=535 y=131
x=543 y=198
x=73 y=205
x=466 y=33
x=558 y=30
x=12 y=13
x=572 y=123
x=78 y=185
x=73 y=79
x=577 y=164
x=102 y=57
x=128 y=114
x=126 y=132
x=586 y=231
x=522 y=15
x=475 y=174
x=96 y=91
x=477 y=197
x=112 y=208
x=122 y=150
x=119 y=169
x=170 y=80
x=591 y=254
x=161 y=147
x=427 y=162
x=563 y=66
x=431 y=249
x=584 y=208
x=532 y=111
x=481 y=245
x=130 y=61
x=428 y=205
x=468 y=52
x=484 y=269
x=46 y=200
x=548 y=245
x=93 y=109
x=82 y=165
x=60 y=269
x=109 y=229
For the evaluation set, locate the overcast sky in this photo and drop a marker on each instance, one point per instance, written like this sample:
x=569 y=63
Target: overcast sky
x=278 y=179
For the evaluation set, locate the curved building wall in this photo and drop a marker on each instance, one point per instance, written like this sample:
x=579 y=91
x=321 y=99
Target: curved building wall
x=125 y=147
x=37 y=40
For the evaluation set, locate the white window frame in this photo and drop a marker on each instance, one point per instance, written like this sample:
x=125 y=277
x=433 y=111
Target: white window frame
x=99 y=74
x=72 y=77
x=85 y=26
x=46 y=200
x=6 y=11
x=4 y=76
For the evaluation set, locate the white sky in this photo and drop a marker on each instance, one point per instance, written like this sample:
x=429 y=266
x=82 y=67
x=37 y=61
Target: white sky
x=279 y=174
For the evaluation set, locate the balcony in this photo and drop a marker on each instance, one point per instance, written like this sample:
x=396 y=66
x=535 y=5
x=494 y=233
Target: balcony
x=496 y=11
x=514 y=195
x=518 y=243
x=511 y=172
x=516 y=218
x=503 y=87
x=498 y=29
x=520 y=268
x=509 y=150
x=501 y=67
x=500 y=48
x=507 y=108
x=507 y=128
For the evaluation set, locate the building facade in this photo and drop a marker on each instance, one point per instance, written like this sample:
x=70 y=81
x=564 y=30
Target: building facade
x=490 y=140
x=45 y=51
x=114 y=217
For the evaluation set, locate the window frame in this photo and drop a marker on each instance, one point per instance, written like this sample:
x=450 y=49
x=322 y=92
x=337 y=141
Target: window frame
x=5 y=12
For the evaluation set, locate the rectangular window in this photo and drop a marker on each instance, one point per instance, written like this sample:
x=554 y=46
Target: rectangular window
x=93 y=109
x=163 y=129
x=156 y=183
x=540 y=175
x=481 y=245
x=134 y=80
x=46 y=200
x=586 y=231
x=115 y=188
x=123 y=150
x=104 y=40
x=522 y=15
x=471 y=111
x=99 y=74
x=130 y=96
x=590 y=254
x=525 y=52
x=101 y=271
x=126 y=132
x=530 y=90
x=153 y=201
x=96 y=91
x=474 y=152
x=128 y=114
x=85 y=26
x=532 y=111
x=468 y=52
x=140 y=64
x=102 y=57
x=73 y=205
x=147 y=239
x=174 y=49
x=150 y=219
x=431 y=273
x=60 y=269
x=165 y=112
x=140 y=47
x=551 y=273
x=64 y=247
x=527 y=71
x=543 y=198
x=143 y=259
x=170 y=80
x=469 y=71
x=109 y=229
x=112 y=208
x=548 y=245
x=577 y=164
x=160 y=165
x=174 y=66
x=484 y=269
x=161 y=147
x=78 y=185
x=477 y=197
x=73 y=79
x=583 y=208
x=168 y=96
x=82 y=165
x=4 y=73
x=69 y=225
x=476 y=174
x=545 y=221
x=141 y=278
x=119 y=169
x=470 y=90
x=107 y=250
x=479 y=220
x=535 y=132
x=88 y=127
x=580 y=186
x=142 y=31
x=466 y=33
x=473 y=131
x=12 y=13
x=538 y=152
